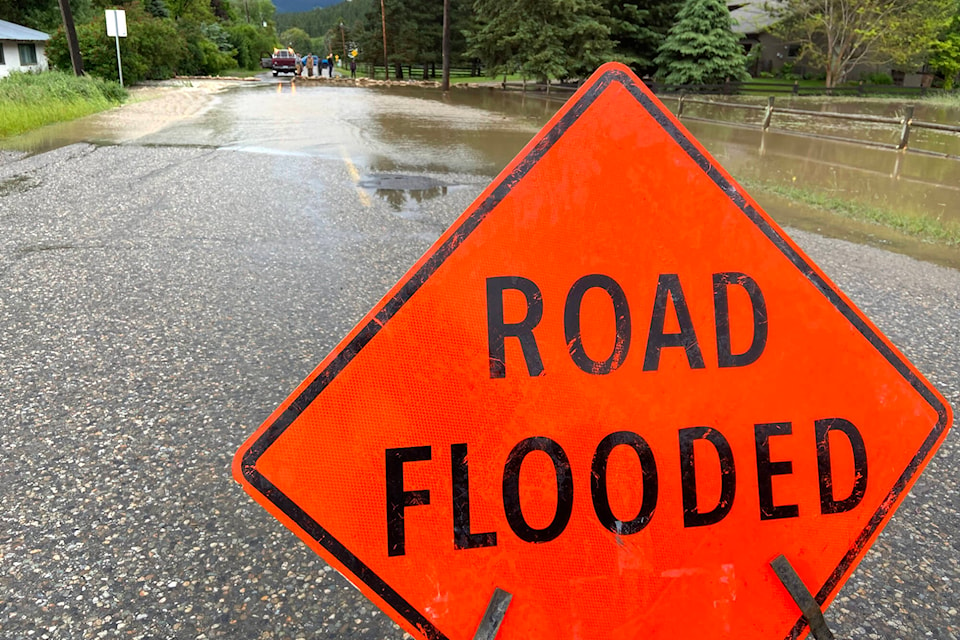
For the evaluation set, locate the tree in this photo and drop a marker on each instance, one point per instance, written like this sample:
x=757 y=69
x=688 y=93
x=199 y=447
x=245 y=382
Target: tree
x=545 y=39
x=701 y=47
x=945 y=53
x=152 y=50
x=837 y=35
x=156 y=8
x=298 y=39
x=639 y=28
x=43 y=15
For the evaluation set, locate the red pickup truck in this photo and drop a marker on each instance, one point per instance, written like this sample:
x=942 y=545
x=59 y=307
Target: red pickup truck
x=282 y=61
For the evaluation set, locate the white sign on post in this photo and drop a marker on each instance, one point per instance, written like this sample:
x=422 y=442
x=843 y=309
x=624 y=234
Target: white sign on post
x=116 y=23
x=117 y=27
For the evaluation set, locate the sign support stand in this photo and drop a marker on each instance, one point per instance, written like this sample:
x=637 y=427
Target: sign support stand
x=493 y=616
x=117 y=27
x=802 y=596
x=116 y=38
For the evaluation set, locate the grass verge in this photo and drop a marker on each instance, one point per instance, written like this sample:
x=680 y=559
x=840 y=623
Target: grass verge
x=918 y=226
x=29 y=101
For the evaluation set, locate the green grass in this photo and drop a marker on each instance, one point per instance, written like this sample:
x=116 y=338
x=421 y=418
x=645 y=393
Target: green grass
x=916 y=225
x=29 y=101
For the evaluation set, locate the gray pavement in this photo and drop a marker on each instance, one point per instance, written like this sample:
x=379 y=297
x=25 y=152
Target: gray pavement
x=156 y=303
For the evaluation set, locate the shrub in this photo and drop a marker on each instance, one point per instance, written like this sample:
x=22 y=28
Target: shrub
x=878 y=78
x=201 y=56
x=152 y=50
x=249 y=43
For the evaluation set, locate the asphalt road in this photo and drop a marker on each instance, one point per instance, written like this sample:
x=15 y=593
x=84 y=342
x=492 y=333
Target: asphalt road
x=157 y=302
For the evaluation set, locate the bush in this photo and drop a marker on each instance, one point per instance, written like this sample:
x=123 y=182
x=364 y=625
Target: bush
x=202 y=57
x=249 y=43
x=878 y=78
x=152 y=50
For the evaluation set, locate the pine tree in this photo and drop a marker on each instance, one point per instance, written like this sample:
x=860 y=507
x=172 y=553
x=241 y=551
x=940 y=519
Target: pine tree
x=156 y=8
x=701 y=47
x=639 y=28
x=543 y=39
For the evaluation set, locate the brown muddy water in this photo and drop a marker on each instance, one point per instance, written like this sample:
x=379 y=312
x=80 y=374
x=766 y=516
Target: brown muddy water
x=411 y=130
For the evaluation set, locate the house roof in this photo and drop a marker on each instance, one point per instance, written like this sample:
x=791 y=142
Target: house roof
x=11 y=31
x=753 y=17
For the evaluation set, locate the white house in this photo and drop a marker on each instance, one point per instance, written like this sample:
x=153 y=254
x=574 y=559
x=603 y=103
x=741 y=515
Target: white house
x=21 y=48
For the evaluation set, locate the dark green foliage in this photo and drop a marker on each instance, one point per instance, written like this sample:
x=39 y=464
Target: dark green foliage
x=250 y=44
x=638 y=28
x=151 y=51
x=701 y=48
x=202 y=56
x=156 y=8
x=43 y=15
x=298 y=39
x=541 y=38
x=319 y=22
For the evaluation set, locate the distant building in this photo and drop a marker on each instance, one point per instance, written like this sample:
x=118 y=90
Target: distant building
x=751 y=21
x=21 y=48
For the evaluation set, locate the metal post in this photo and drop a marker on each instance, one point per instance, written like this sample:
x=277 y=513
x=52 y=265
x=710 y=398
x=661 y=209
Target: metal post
x=802 y=596
x=680 y=105
x=768 y=114
x=493 y=616
x=905 y=131
x=116 y=37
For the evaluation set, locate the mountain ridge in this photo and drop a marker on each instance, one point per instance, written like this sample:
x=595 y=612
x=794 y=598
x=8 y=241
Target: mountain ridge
x=296 y=6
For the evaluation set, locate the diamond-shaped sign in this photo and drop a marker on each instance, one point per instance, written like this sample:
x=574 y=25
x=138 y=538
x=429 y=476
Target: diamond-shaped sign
x=614 y=389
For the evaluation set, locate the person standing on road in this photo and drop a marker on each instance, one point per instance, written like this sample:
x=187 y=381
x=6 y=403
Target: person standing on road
x=330 y=63
x=353 y=68
x=309 y=64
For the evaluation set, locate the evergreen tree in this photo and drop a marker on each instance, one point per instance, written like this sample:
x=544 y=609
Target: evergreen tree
x=156 y=8
x=639 y=28
x=701 y=47
x=544 y=39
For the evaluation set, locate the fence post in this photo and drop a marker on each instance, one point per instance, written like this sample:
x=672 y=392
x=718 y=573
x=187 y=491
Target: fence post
x=680 y=105
x=905 y=131
x=860 y=88
x=796 y=87
x=768 y=114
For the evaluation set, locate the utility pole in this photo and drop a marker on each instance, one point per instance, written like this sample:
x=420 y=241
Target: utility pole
x=383 y=21
x=343 y=42
x=72 y=43
x=445 y=47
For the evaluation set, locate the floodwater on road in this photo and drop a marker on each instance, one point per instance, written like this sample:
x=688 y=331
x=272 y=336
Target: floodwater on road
x=382 y=131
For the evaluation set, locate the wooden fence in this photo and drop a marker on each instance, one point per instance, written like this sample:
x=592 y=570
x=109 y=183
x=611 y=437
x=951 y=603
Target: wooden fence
x=905 y=123
x=766 y=88
x=429 y=71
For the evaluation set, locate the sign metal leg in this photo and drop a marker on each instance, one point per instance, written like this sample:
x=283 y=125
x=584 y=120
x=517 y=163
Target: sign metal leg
x=493 y=616
x=802 y=596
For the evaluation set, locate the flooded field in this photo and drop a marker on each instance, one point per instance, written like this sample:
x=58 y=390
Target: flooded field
x=476 y=132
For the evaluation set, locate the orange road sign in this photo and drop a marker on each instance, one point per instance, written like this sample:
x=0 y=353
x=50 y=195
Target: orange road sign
x=613 y=389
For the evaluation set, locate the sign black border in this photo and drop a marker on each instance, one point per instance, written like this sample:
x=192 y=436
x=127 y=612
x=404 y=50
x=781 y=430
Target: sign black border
x=393 y=304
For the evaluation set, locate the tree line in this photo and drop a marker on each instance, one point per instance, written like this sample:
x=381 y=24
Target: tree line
x=676 y=41
x=165 y=37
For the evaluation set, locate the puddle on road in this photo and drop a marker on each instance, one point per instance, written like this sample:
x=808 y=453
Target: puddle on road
x=406 y=193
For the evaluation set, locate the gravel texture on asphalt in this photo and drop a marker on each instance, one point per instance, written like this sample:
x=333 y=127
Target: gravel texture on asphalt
x=156 y=303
